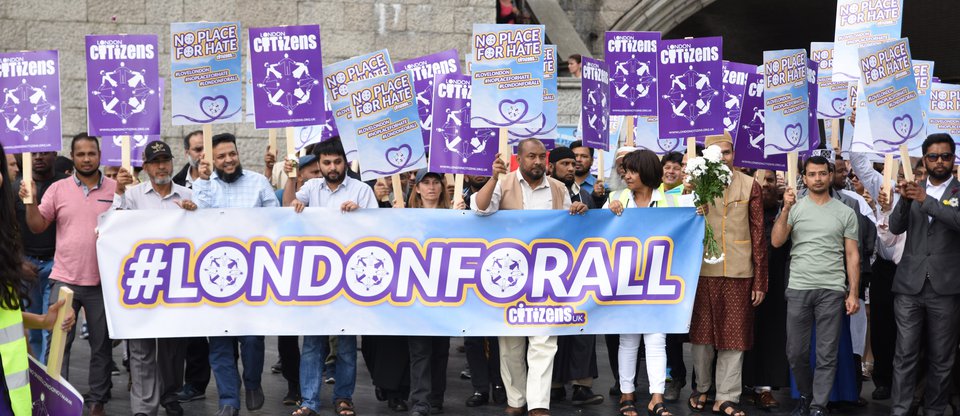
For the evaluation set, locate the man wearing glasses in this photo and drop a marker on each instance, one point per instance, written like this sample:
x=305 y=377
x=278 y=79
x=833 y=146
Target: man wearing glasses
x=926 y=286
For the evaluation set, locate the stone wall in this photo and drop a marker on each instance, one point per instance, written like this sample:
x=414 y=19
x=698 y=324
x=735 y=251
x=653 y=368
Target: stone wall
x=408 y=28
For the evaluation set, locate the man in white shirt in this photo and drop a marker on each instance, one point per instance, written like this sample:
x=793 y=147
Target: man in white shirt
x=527 y=371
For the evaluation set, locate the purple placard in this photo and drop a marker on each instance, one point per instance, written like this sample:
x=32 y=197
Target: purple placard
x=424 y=69
x=595 y=104
x=812 y=94
x=748 y=144
x=52 y=397
x=30 y=82
x=122 y=85
x=455 y=147
x=690 y=79
x=287 y=69
x=632 y=57
x=734 y=84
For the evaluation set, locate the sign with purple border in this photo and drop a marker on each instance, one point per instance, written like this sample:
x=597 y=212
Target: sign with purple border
x=748 y=145
x=424 y=70
x=632 y=56
x=595 y=104
x=287 y=69
x=52 y=397
x=689 y=82
x=122 y=85
x=30 y=82
x=455 y=147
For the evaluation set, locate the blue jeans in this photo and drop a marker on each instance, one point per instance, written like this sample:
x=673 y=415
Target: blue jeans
x=39 y=302
x=315 y=349
x=225 y=366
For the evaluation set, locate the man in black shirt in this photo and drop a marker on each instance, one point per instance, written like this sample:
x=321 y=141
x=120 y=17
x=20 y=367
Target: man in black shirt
x=38 y=249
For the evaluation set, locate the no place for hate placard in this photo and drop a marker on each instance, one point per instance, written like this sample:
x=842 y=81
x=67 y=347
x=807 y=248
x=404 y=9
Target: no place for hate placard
x=632 y=57
x=507 y=73
x=890 y=94
x=785 y=101
x=689 y=82
x=206 y=73
x=455 y=147
x=831 y=95
x=862 y=23
x=30 y=82
x=122 y=85
x=287 y=69
x=943 y=112
x=385 y=121
x=595 y=104
x=545 y=128
x=339 y=76
x=424 y=70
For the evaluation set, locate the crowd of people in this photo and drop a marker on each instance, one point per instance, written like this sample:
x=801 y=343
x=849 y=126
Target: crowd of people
x=809 y=271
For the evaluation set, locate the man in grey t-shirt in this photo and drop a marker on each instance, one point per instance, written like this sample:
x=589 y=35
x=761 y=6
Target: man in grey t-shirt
x=824 y=235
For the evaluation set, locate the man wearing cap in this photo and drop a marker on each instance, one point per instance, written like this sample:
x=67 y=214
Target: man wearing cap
x=156 y=366
x=227 y=185
x=74 y=204
x=576 y=358
x=728 y=291
x=333 y=189
x=527 y=370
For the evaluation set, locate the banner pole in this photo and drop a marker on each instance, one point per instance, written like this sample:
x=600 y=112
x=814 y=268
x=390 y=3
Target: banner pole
x=28 y=177
x=272 y=141
x=58 y=337
x=505 y=152
x=125 y=154
x=905 y=159
x=629 y=141
x=835 y=135
x=458 y=188
x=208 y=144
x=691 y=148
x=888 y=165
x=397 y=190
x=291 y=150
x=792 y=170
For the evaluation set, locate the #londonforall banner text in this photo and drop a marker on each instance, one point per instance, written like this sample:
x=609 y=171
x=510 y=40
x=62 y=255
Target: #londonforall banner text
x=270 y=271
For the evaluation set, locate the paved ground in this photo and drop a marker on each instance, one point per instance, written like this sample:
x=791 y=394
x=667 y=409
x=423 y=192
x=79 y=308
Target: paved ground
x=457 y=391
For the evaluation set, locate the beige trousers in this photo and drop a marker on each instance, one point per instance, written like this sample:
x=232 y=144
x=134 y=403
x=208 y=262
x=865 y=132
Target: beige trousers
x=527 y=371
x=729 y=371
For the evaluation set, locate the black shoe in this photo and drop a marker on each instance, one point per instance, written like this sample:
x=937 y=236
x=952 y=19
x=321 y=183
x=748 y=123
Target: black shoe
x=803 y=407
x=254 y=398
x=818 y=411
x=292 y=398
x=436 y=409
x=173 y=409
x=615 y=390
x=397 y=405
x=499 y=395
x=583 y=395
x=558 y=394
x=189 y=394
x=672 y=393
x=881 y=393
x=478 y=399
x=276 y=368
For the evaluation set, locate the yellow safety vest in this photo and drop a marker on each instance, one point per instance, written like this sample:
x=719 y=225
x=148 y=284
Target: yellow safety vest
x=624 y=196
x=16 y=365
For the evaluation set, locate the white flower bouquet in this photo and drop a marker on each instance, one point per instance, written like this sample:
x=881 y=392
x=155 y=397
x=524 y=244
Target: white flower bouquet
x=709 y=177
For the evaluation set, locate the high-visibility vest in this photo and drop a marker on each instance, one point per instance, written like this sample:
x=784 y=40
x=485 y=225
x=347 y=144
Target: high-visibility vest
x=625 y=195
x=16 y=365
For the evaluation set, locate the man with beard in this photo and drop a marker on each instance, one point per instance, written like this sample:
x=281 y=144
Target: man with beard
x=39 y=249
x=926 y=285
x=73 y=205
x=197 y=373
x=472 y=184
x=229 y=186
x=526 y=370
x=193 y=149
x=334 y=189
x=156 y=366
x=576 y=358
x=823 y=233
x=593 y=186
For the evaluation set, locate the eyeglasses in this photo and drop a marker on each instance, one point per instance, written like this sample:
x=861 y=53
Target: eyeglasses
x=932 y=157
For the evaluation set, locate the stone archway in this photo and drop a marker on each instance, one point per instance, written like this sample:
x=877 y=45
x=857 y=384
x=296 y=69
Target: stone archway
x=658 y=15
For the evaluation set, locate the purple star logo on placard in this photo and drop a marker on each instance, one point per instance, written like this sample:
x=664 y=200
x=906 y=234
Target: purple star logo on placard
x=691 y=95
x=632 y=79
x=25 y=109
x=123 y=92
x=288 y=83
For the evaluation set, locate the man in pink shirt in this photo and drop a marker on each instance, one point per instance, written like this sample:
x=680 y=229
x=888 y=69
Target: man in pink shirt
x=74 y=204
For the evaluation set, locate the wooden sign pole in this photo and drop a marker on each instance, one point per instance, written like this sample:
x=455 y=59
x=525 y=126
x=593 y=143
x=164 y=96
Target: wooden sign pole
x=458 y=188
x=125 y=154
x=58 y=338
x=291 y=149
x=629 y=141
x=905 y=159
x=397 y=190
x=28 y=177
x=792 y=170
x=272 y=141
x=505 y=151
x=888 y=167
x=691 y=148
x=208 y=144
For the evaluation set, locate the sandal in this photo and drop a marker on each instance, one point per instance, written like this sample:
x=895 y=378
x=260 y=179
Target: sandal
x=659 y=410
x=733 y=409
x=628 y=408
x=304 y=411
x=345 y=408
x=699 y=404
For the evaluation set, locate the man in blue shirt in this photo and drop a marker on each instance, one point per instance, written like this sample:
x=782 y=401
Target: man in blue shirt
x=229 y=186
